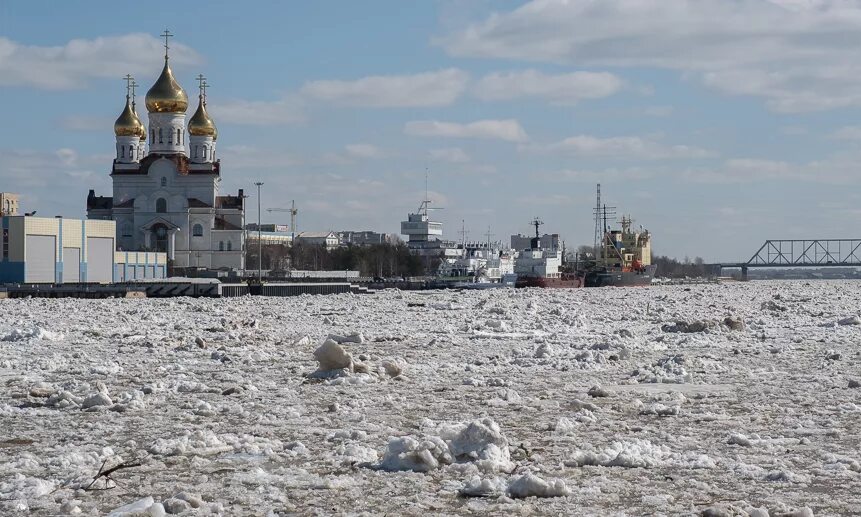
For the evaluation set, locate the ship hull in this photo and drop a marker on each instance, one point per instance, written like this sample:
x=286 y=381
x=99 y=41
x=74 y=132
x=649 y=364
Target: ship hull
x=611 y=278
x=568 y=282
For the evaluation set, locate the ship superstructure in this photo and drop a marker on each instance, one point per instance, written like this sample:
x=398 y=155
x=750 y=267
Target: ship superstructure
x=424 y=235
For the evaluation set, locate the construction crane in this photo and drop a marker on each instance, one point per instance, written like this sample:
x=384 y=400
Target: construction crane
x=292 y=211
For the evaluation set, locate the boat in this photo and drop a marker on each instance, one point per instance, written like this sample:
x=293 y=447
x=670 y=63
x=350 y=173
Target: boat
x=624 y=258
x=540 y=267
x=507 y=280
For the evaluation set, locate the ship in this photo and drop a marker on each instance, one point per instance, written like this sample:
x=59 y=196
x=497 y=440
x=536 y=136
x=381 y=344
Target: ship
x=624 y=257
x=539 y=266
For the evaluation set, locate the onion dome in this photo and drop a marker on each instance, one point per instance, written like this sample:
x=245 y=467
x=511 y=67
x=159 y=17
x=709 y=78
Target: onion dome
x=128 y=123
x=200 y=123
x=143 y=129
x=166 y=95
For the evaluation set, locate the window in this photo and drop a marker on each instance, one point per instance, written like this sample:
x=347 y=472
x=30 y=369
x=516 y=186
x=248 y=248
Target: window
x=170 y=137
x=152 y=135
x=197 y=230
x=159 y=136
x=131 y=152
x=122 y=152
x=229 y=245
x=220 y=245
x=127 y=229
x=179 y=136
x=163 y=181
x=6 y=242
x=161 y=206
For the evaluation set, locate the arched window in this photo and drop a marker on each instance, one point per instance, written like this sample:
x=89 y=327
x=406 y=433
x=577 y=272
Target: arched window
x=131 y=151
x=197 y=230
x=229 y=245
x=161 y=205
x=179 y=136
x=170 y=137
x=152 y=135
x=159 y=136
x=163 y=181
x=220 y=245
x=122 y=152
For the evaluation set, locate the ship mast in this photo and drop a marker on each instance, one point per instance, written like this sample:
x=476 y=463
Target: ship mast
x=598 y=231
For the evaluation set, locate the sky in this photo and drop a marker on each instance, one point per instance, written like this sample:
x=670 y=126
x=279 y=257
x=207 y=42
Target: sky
x=716 y=124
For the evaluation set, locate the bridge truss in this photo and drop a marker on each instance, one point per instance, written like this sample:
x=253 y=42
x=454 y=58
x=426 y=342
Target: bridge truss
x=807 y=253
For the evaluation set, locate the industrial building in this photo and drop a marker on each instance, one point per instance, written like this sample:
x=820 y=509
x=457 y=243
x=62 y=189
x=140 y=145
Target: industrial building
x=366 y=238
x=329 y=240
x=67 y=251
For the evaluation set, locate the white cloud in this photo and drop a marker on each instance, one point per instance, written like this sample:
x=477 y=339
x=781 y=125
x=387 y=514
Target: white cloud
x=449 y=154
x=600 y=176
x=288 y=110
x=560 y=89
x=439 y=88
x=508 y=130
x=837 y=169
x=798 y=55
x=623 y=147
x=364 y=151
x=79 y=61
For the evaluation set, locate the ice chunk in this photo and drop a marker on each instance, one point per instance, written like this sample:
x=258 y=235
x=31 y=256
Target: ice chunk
x=97 y=399
x=332 y=356
x=408 y=453
x=483 y=487
x=529 y=485
x=480 y=441
x=141 y=506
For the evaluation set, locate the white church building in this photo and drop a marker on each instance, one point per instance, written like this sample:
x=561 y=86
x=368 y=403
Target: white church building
x=166 y=198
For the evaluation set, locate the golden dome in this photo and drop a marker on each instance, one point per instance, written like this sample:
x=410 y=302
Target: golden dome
x=143 y=129
x=166 y=95
x=128 y=123
x=200 y=123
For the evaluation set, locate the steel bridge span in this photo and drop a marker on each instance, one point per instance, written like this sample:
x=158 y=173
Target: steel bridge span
x=800 y=253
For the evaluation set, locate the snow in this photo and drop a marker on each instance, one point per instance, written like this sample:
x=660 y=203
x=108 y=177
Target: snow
x=499 y=402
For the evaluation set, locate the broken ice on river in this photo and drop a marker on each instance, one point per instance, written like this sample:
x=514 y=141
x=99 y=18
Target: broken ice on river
x=734 y=399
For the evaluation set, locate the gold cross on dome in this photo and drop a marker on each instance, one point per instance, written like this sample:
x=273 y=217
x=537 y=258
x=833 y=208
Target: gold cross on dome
x=202 y=84
x=129 y=82
x=166 y=34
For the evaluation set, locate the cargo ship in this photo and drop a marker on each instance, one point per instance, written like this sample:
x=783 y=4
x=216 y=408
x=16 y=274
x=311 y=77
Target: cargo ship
x=624 y=258
x=540 y=266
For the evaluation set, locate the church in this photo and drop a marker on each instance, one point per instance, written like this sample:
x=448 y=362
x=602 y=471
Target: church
x=166 y=197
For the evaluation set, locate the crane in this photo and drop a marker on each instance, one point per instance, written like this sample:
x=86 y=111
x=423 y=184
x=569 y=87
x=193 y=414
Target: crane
x=292 y=211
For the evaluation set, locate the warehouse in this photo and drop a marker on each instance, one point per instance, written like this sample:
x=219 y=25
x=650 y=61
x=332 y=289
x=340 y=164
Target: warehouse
x=68 y=251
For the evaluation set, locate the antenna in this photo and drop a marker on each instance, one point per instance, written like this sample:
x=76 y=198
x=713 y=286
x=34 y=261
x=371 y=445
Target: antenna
x=536 y=223
x=463 y=234
x=488 y=235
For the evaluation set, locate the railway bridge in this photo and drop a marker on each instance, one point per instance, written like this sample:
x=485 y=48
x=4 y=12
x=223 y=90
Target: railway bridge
x=792 y=253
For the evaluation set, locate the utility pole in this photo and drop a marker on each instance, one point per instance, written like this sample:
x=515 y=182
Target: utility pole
x=259 y=237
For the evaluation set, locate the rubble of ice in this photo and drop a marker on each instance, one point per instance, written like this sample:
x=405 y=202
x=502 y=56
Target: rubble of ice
x=723 y=399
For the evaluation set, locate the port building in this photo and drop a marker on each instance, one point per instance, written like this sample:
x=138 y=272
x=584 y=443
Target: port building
x=56 y=250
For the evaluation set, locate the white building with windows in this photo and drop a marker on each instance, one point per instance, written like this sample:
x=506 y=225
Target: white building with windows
x=166 y=198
